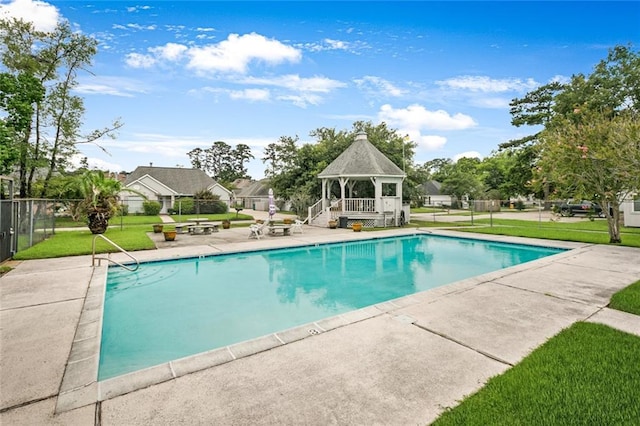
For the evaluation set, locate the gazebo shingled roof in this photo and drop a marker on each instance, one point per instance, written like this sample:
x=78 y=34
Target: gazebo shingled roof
x=361 y=158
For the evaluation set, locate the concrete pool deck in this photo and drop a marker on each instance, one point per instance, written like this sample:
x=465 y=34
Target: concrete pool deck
x=399 y=362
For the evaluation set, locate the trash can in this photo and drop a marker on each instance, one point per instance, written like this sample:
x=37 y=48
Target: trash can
x=342 y=221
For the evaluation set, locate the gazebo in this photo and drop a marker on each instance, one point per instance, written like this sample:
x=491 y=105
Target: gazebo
x=361 y=161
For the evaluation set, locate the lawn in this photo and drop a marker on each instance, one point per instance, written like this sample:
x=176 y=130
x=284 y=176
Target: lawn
x=73 y=243
x=594 y=232
x=129 y=232
x=586 y=375
x=627 y=299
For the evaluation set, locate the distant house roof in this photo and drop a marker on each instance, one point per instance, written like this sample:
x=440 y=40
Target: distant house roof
x=181 y=180
x=361 y=158
x=432 y=187
x=254 y=189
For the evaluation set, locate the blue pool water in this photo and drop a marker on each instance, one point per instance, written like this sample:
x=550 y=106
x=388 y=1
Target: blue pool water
x=171 y=309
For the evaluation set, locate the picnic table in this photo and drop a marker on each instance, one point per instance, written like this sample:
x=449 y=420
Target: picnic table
x=205 y=228
x=274 y=229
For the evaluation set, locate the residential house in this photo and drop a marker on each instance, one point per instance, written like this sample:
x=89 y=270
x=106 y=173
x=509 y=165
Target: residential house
x=431 y=191
x=631 y=211
x=253 y=194
x=168 y=184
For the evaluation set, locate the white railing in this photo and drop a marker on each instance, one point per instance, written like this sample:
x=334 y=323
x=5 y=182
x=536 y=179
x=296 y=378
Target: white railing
x=315 y=211
x=367 y=205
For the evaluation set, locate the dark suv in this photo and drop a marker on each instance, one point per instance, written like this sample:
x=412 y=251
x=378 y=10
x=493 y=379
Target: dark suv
x=582 y=207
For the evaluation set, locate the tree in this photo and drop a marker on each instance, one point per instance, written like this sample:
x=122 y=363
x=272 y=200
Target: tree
x=101 y=197
x=293 y=169
x=49 y=61
x=463 y=179
x=222 y=162
x=594 y=156
x=613 y=87
x=18 y=95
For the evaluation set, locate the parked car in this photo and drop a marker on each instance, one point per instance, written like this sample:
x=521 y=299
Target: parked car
x=571 y=208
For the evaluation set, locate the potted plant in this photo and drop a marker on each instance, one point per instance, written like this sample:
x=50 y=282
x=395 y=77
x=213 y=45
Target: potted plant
x=333 y=224
x=157 y=228
x=170 y=234
x=226 y=224
x=101 y=199
x=357 y=226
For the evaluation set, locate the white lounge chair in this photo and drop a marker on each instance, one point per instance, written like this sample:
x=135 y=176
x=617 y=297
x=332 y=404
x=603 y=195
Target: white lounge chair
x=297 y=226
x=256 y=230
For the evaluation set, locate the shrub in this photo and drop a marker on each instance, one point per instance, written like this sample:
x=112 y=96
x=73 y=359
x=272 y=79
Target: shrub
x=151 y=208
x=209 y=203
x=184 y=206
x=519 y=205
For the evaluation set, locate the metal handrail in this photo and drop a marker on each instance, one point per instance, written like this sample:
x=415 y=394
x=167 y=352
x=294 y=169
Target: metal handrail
x=108 y=259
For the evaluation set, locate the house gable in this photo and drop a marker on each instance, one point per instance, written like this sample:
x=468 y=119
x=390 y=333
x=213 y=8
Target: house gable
x=180 y=181
x=152 y=185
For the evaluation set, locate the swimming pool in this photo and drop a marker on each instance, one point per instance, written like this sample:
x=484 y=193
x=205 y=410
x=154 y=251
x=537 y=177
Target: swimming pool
x=175 y=308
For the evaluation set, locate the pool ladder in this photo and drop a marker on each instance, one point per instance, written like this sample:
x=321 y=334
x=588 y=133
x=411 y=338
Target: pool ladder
x=108 y=259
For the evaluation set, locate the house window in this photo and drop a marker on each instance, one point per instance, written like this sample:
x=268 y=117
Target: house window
x=636 y=204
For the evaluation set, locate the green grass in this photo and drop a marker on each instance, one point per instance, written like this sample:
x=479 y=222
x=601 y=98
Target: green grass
x=66 y=222
x=584 y=231
x=627 y=299
x=586 y=375
x=73 y=243
x=213 y=217
x=4 y=269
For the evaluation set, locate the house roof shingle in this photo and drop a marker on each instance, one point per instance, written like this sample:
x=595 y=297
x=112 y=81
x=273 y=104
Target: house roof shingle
x=258 y=188
x=181 y=180
x=361 y=158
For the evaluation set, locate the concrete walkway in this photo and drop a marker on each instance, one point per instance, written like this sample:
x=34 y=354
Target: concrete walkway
x=399 y=362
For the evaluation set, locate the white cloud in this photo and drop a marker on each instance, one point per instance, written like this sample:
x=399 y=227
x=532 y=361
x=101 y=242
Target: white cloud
x=236 y=52
x=141 y=27
x=170 y=51
x=295 y=82
x=379 y=86
x=491 y=102
x=467 y=154
x=562 y=79
x=430 y=142
x=139 y=60
x=113 y=86
x=94 y=163
x=250 y=94
x=301 y=100
x=418 y=117
x=43 y=15
x=137 y=8
x=488 y=85
x=331 y=44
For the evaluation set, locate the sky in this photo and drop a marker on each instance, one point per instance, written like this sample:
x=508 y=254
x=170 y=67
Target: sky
x=184 y=74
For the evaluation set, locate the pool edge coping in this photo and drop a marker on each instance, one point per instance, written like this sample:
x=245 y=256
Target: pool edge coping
x=80 y=385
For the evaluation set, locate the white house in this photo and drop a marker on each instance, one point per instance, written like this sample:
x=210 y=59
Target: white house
x=631 y=211
x=167 y=184
x=433 y=196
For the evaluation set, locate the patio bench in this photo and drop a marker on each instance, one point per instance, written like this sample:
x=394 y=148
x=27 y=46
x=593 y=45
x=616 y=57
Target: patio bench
x=203 y=228
x=182 y=227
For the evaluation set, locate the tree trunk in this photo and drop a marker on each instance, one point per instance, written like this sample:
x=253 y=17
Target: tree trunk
x=613 y=221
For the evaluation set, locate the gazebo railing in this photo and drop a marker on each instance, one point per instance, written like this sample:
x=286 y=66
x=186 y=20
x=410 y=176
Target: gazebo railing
x=361 y=205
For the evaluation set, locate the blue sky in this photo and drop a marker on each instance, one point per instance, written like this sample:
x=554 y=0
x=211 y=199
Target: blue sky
x=184 y=74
